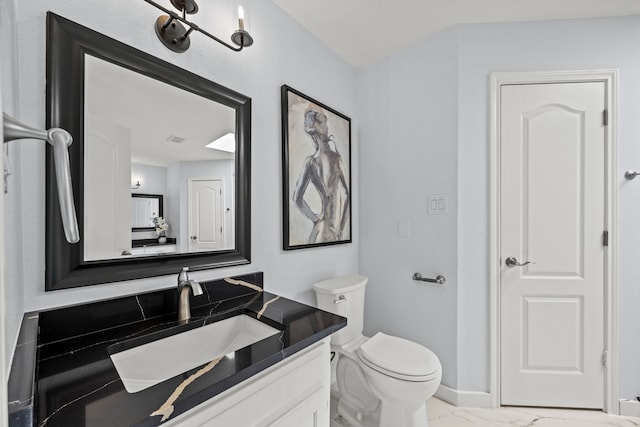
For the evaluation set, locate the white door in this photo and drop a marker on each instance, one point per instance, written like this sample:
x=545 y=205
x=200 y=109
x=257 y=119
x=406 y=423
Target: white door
x=205 y=214
x=107 y=189
x=552 y=192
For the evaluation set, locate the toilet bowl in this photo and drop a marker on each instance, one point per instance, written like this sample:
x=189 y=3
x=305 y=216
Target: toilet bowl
x=383 y=380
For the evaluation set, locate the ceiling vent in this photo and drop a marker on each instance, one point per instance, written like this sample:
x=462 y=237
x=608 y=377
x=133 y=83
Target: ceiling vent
x=176 y=139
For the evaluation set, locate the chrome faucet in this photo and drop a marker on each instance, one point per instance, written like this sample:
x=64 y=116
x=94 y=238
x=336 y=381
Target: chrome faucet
x=184 y=284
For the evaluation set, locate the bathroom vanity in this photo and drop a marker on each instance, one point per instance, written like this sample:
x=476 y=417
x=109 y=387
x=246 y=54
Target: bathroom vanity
x=64 y=370
x=245 y=357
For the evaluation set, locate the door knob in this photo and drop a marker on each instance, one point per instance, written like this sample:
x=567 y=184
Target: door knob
x=513 y=262
x=194 y=237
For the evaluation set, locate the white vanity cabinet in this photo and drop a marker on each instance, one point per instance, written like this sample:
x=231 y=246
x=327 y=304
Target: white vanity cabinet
x=154 y=250
x=293 y=393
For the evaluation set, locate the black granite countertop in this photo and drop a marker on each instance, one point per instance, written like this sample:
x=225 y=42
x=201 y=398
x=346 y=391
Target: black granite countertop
x=141 y=243
x=62 y=373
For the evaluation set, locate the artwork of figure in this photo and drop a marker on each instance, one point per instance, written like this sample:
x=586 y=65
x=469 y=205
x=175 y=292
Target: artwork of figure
x=323 y=170
x=318 y=154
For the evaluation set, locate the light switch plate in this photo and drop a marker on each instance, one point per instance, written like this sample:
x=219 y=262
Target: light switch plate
x=437 y=204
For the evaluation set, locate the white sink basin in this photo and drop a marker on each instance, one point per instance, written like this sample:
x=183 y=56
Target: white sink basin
x=148 y=364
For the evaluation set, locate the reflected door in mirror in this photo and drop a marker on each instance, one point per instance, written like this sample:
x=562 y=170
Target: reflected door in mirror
x=205 y=215
x=107 y=204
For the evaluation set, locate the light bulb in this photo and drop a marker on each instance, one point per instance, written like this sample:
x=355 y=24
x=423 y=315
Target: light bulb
x=240 y=17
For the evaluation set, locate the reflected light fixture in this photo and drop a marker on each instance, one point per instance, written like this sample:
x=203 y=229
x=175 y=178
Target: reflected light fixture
x=137 y=185
x=225 y=143
x=175 y=36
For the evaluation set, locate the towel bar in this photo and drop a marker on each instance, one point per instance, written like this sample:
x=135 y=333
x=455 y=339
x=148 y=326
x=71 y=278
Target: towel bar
x=440 y=280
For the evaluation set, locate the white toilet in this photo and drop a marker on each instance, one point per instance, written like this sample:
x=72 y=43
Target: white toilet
x=383 y=380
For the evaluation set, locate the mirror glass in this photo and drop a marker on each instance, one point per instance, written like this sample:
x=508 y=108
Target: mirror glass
x=140 y=128
x=142 y=135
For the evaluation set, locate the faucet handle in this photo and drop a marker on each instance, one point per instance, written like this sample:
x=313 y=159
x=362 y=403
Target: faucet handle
x=183 y=276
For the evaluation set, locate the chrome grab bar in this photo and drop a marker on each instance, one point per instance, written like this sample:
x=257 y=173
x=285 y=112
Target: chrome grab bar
x=60 y=140
x=440 y=280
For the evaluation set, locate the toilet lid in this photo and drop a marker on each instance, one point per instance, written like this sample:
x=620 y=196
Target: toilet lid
x=400 y=358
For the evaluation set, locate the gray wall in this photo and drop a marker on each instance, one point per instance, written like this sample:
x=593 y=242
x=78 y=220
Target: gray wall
x=153 y=179
x=560 y=45
x=283 y=53
x=425 y=129
x=13 y=254
x=408 y=109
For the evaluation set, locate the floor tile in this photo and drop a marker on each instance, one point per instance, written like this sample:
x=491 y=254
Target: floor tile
x=442 y=414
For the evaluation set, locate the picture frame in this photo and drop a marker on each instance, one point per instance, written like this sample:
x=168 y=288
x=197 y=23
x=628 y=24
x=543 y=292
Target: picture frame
x=316 y=170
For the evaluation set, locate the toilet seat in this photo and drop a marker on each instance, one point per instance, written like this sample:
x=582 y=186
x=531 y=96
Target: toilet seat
x=399 y=358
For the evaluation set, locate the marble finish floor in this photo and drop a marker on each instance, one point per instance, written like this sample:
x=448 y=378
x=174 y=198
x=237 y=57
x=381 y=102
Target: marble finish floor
x=442 y=414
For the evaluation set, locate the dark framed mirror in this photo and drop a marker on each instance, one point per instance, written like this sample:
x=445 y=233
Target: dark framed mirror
x=73 y=51
x=145 y=207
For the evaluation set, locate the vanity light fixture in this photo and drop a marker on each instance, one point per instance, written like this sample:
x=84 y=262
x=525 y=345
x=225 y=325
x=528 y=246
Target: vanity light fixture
x=137 y=185
x=175 y=36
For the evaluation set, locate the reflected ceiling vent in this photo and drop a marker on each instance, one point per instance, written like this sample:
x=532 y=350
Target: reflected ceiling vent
x=176 y=139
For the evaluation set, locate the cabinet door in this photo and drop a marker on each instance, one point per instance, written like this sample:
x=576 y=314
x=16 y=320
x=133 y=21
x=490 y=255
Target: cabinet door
x=312 y=412
x=295 y=392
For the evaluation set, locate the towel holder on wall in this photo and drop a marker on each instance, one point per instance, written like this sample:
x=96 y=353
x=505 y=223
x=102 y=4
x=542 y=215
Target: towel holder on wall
x=440 y=280
x=59 y=139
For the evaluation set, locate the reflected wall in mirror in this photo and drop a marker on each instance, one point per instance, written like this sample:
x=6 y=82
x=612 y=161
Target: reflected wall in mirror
x=136 y=119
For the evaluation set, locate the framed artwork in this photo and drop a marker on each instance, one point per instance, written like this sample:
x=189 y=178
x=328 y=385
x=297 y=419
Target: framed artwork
x=316 y=170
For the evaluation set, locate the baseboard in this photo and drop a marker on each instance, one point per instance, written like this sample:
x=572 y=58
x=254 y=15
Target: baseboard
x=468 y=399
x=629 y=408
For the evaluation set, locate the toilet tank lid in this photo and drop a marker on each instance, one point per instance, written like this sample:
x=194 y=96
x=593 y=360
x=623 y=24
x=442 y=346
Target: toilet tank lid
x=342 y=284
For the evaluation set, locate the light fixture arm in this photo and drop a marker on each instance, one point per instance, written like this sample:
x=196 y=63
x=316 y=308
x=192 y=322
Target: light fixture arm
x=181 y=43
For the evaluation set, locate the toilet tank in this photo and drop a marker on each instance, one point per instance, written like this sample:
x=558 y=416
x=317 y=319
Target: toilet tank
x=344 y=296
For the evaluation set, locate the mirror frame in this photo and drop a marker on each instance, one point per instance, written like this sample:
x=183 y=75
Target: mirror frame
x=160 y=208
x=67 y=45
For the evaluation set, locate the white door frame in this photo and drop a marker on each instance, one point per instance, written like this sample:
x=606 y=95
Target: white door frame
x=610 y=79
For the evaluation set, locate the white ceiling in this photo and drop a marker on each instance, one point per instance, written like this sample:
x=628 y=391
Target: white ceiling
x=363 y=31
x=153 y=112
